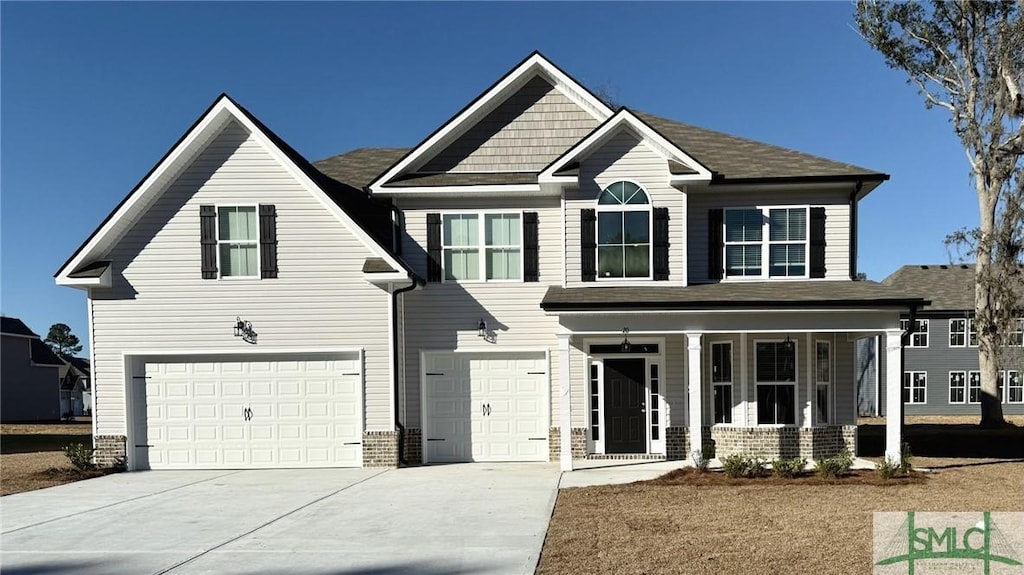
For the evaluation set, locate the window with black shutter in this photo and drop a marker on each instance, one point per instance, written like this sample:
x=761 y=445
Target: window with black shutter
x=208 y=241
x=588 y=244
x=268 y=241
x=531 y=259
x=433 y=247
x=817 y=243
x=715 y=246
x=661 y=244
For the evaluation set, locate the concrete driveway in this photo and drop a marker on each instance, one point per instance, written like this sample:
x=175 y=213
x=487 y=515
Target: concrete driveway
x=468 y=518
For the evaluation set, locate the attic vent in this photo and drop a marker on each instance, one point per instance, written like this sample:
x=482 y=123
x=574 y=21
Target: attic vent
x=963 y=266
x=944 y=267
x=924 y=267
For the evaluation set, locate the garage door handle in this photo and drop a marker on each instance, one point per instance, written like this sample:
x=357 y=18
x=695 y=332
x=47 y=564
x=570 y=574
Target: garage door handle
x=538 y=439
x=354 y=443
x=143 y=446
x=435 y=439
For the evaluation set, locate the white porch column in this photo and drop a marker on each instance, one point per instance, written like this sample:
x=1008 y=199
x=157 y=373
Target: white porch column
x=893 y=394
x=564 y=403
x=694 y=397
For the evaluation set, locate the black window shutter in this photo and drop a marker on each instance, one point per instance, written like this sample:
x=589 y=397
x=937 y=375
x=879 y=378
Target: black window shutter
x=817 y=256
x=208 y=240
x=715 y=244
x=268 y=241
x=531 y=261
x=661 y=243
x=588 y=244
x=433 y=247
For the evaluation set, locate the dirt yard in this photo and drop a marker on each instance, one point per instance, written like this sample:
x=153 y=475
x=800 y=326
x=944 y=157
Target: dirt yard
x=772 y=526
x=31 y=456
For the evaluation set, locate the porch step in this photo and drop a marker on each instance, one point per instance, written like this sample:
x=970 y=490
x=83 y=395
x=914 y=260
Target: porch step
x=625 y=457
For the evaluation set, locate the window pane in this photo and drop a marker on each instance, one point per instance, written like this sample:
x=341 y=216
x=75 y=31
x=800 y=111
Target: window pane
x=743 y=260
x=822 y=403
x=721 y=362
x=723 y=404
x=237 y=224
x=637 y=262
x=462 y=264
x=824 y=362
x=501 y=229
x=502 y=264
x=633 y=194
x=637 y=227
x=787 y=225
x=609 y=262
x=775 y=361
x=612 y=194
x=743 y=225
x=238 y=260
x=609 y=228
x=786 y=259
x=775 y=404
x=461 y=230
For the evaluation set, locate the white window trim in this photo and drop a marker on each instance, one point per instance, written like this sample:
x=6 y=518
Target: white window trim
x=950 y=395
x=1006 y=387
x=963 y=333
x=925 y=324
x=967 y=396
x=794 y=383
x=766 y=243
x=1020 y=324
x=971 y=329
x=648 y=207
x=826 y=384
x=256 y=242
x=910 y=396
x=482 y=247
x=729 y=383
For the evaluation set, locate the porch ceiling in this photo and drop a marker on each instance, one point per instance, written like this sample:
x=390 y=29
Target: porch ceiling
x=731 y=295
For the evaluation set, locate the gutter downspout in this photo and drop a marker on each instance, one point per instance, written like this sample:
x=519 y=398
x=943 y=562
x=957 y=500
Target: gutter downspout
x=394 y=367
x=853 y=229
x=911 y=329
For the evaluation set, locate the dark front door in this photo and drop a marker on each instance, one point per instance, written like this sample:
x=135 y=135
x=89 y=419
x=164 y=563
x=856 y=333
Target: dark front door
x=624 y=406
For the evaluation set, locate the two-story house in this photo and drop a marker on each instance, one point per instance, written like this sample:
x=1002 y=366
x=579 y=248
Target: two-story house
x=29 y=375
x=541 y=278
x=940 y=359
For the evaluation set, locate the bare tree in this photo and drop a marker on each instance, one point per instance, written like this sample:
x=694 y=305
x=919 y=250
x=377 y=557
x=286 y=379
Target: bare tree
x=968 y=58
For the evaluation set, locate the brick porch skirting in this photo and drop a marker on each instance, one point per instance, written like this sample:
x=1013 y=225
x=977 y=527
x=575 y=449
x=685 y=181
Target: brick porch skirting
x=413 y=446
x=784 y=442
x=109 y=450
x=380 y=449
x=579 y=443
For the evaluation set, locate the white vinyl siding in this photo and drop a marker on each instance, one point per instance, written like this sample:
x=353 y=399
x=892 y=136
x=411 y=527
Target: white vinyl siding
x=837 y=224
x=159 y=301
x=443 y=316
x=623 y=157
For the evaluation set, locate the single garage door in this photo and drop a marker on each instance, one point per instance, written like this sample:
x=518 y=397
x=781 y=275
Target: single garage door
x=486 y=407
x=248 y=412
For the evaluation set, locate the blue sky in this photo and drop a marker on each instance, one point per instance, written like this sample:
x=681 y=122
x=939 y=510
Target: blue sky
x=93 y=94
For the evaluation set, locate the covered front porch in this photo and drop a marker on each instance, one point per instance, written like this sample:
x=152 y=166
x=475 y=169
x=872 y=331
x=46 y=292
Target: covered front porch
x=776 y=381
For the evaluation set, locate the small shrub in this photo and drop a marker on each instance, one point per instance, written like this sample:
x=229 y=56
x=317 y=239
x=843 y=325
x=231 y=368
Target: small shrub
x=835 y=466
x=79 y=455
x=887 y=469
x=905 y=458
x=789 y=468
x=699 y=460
x=748 y=466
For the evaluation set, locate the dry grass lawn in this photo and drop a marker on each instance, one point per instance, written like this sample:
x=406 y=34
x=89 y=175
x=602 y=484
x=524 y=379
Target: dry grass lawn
x=31 y=456
x=684 y=525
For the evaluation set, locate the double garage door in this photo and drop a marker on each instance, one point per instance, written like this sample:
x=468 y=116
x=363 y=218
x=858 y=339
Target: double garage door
x=238 y=412
x=485 y=407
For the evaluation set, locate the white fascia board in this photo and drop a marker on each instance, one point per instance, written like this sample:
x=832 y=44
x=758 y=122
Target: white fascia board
x=531 y=66
x=612 y=126
x=467 y=191
x=213 y=120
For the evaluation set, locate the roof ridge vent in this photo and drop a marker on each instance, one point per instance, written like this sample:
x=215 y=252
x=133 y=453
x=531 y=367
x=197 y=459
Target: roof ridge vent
x=964 y=266
x=924 y=267
x=945 y=267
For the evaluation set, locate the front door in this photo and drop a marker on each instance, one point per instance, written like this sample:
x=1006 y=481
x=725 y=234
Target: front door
x=624 y=405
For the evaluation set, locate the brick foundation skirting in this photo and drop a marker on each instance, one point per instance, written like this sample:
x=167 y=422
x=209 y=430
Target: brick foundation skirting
x=380 y=449
x=413 y=446
x=784 y=442
x=578 y=441
x=109 y=450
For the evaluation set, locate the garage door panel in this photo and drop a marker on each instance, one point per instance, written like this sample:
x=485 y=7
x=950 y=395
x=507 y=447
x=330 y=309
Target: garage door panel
x=239 y=414
x=485 y=407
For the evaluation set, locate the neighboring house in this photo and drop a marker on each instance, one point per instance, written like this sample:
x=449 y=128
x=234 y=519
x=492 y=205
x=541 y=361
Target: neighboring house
x=29 y=375
x=940 y=359
x=75 y=397
x=543 y=277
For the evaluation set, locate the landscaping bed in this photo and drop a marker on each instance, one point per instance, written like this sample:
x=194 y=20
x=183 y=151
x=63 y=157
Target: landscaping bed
x=31 y=455
x=691 y=476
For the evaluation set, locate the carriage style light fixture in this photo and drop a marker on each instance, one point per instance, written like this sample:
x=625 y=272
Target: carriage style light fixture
x=626 y=346
x=481 y=328
x=788 y=344
x=243 y=329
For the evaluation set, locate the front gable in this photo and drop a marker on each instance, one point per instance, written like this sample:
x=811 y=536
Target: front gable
x=504 y=137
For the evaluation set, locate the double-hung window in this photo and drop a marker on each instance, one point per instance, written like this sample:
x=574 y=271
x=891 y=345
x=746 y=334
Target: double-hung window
x=766 y=242
x=974 y=387
x=623 y=232
x=958 y=387
x=915 y=384
x=238 y=241
x=920 y=336
x=1017 y=333
x=823 y=378
x=775 y=375
x=1014 y=387
x=721 y=379
x=482 y=247
x=962 y=333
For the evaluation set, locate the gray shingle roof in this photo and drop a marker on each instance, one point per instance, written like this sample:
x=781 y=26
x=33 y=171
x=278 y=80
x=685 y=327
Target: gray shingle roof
x=734 y=158
x=377 y=266
x=90 y=270
x=360 y=167
x=950 y=287
x=14 y=326
x=783 y=294
x=43 y=355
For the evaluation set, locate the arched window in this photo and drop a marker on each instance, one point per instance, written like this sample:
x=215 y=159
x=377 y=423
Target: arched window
x=623 y=232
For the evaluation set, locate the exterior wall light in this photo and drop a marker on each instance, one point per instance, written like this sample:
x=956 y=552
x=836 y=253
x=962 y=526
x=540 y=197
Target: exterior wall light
x=481 y=328
x=626 y=346
x=243 y=329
